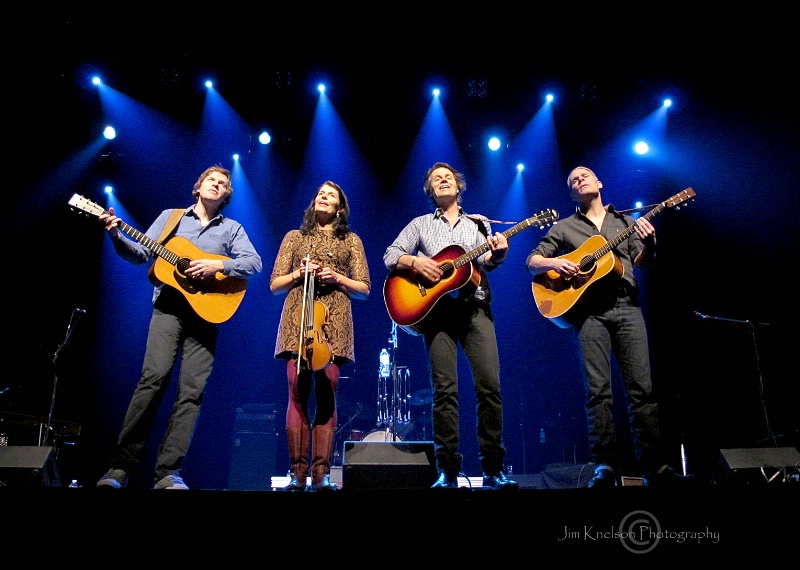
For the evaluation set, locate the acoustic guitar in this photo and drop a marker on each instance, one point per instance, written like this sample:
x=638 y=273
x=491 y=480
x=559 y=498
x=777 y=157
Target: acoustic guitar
x=555 y=295
x=215 y=300
x=409 y=297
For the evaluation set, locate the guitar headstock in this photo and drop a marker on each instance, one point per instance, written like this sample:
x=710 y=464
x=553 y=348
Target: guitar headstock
x=545 y=218
x=681 y=198
x=78 y=202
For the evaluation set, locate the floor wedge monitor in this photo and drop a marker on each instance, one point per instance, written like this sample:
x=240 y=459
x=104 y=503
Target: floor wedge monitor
x=388 y=465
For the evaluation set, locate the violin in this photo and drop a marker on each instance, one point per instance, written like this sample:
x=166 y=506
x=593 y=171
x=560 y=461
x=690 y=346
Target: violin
x=314 y=349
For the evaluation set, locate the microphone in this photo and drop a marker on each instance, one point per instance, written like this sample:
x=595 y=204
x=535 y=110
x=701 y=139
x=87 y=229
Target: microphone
x=725 y=319
x=80 y=311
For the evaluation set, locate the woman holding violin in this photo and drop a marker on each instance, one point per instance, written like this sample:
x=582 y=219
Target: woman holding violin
x=320 y=267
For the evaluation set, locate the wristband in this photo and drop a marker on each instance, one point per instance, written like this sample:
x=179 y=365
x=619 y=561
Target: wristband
x=413 y=259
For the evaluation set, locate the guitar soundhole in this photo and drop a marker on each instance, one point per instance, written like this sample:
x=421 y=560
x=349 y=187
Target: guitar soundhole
x=188 y=284
x=587 y=264
x=183 y=265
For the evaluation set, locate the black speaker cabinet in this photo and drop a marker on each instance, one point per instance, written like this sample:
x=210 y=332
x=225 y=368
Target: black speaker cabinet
x=388 y=465
x=254 y=448
x=28 y=466
x=744 y=465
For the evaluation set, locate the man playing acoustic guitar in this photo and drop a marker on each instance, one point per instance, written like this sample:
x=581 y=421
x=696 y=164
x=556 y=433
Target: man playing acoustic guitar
x=175 y=326
x=607 y=317
x=466 y=320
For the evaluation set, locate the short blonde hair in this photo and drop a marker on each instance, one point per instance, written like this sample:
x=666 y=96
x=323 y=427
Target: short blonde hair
x=569 y=176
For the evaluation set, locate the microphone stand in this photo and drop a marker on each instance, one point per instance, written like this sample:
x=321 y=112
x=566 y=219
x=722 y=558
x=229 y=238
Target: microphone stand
x=395 y=395
x=752 y=327
x=73 y=320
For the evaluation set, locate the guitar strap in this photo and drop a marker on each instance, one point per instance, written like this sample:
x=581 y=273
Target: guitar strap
x=171 y=224
x=478 y=219
x=169 y=228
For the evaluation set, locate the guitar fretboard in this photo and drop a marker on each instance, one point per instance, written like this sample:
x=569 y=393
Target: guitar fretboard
x=150 y=244
x=540 y=220
x=676 y=200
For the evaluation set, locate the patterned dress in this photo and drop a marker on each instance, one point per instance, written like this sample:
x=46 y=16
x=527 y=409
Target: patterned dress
x=345 y=256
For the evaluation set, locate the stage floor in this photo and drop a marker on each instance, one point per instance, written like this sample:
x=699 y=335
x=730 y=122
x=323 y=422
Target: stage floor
x=399 y=526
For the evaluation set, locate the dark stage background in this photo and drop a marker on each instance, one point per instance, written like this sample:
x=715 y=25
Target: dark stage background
x=731 y=136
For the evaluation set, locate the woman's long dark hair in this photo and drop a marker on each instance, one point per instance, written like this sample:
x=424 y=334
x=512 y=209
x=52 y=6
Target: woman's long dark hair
x=341 y=225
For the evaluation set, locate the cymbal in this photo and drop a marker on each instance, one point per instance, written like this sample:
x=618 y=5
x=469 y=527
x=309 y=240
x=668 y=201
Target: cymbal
x=422 y=397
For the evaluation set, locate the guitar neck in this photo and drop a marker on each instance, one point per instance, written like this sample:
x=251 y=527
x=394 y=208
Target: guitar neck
x=623 y=235
x=484 y=247
x=150 y=244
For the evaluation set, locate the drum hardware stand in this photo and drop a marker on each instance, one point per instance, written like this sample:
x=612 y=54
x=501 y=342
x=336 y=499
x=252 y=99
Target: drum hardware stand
x=399 y=412
x=44 y=434
x=350 y=419
x=336 y=454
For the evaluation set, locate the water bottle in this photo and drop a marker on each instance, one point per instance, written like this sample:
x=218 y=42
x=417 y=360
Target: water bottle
x=542 y=436
x=384 y=363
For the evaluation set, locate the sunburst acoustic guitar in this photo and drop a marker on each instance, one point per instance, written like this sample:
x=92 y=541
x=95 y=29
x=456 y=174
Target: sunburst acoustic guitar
x=409 y=298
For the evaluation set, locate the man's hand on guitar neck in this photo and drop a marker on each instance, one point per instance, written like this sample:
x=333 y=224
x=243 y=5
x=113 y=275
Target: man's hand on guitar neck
x=498 y=245
x=111 y=222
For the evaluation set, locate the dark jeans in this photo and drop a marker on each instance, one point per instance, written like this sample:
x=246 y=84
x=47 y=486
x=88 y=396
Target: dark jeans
x=620 y=329
x=455 y=322
x=179 y=329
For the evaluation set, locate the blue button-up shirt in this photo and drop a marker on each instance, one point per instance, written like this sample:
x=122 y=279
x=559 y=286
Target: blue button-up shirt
x=222 y=236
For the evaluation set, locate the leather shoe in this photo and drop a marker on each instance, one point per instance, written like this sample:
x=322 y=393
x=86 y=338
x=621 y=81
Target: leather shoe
x=499 y=481
x=604 y=477
x=666 y=476
x=446 y=481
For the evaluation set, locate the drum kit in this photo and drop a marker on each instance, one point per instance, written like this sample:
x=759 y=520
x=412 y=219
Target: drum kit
x=406 y=429
x=394 y=405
